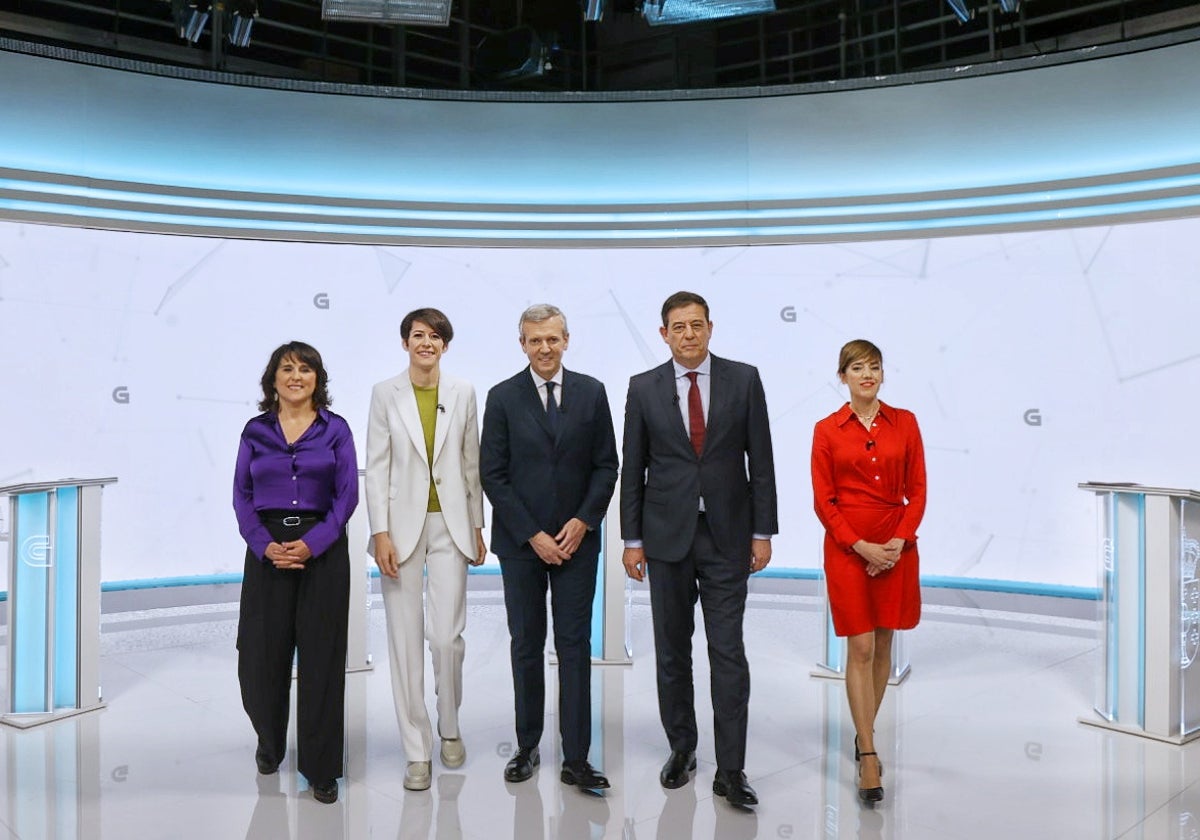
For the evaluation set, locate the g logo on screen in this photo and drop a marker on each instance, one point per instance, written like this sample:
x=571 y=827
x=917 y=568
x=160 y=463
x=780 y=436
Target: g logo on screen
x=120 y=395
x=1033 y=417
x=321 y=300
x=788 y=314
x=35 y=551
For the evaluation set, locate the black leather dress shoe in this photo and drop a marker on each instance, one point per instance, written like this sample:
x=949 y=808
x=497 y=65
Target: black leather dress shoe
x=266 y=764
x=675 y=772
x=325 y=791
x=521 y=766
x=581 y=774
x=733 y=786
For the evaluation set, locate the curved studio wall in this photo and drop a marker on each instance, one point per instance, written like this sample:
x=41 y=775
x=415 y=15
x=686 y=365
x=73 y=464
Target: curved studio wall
x=1039 y=346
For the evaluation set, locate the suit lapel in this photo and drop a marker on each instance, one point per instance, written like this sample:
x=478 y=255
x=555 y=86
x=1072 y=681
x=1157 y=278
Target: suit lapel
x=719 y=396
x=668 y=398
x=448 y=397
x=406 y=404
x=532 y=401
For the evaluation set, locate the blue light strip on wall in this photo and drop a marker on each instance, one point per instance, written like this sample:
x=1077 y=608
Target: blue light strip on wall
x=298 y=207
x=1013 y=587
x=332 y=231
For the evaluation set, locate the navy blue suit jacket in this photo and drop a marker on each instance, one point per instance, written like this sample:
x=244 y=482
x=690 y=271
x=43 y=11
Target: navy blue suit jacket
x=536 y=481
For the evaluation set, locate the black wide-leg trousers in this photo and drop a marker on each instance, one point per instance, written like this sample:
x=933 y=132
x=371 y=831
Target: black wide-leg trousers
x=300 y=613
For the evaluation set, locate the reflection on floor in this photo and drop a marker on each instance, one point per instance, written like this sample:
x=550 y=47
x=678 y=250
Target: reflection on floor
x=982 y=741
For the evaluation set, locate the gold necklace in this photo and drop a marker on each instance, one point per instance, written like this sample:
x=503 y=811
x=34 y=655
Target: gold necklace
x=866 y=419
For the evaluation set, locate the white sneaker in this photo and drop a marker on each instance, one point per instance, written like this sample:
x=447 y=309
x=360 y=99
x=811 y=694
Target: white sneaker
x=454 y=753
x=418 y=775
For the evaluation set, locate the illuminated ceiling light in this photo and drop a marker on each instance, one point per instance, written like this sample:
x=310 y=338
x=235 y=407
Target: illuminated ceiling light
x=961 y=10
x=1010 y=6
x=664 y=12
x=409 y=12
x=190 y=17
x=593 y=10
x=239 y=18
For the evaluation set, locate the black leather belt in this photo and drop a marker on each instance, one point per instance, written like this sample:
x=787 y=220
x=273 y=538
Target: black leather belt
x=289 y=520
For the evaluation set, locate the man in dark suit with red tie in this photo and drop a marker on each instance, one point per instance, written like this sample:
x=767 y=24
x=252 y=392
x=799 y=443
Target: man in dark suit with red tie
x=548 y=464
x=698 y=510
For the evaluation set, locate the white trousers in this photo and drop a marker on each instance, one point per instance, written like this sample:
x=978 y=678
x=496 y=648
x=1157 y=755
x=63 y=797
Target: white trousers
x=441 y=621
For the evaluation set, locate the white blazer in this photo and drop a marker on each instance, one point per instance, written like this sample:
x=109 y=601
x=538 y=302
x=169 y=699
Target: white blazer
x=398 y=474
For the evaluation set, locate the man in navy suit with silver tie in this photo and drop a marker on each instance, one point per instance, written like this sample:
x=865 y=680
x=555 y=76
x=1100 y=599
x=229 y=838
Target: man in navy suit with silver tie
x=548 y=464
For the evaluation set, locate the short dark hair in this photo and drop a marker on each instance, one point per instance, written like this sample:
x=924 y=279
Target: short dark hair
x=858 y=350
x=435 y=318
x=305 y=354
x=679 y=299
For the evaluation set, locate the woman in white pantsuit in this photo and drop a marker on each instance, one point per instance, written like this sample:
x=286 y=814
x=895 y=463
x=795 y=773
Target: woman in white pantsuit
x=425 y=508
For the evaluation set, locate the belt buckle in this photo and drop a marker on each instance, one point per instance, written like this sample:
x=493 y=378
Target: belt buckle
x=291 y=521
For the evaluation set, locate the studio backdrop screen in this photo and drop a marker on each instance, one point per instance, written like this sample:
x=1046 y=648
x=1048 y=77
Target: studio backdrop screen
x=1033 y=361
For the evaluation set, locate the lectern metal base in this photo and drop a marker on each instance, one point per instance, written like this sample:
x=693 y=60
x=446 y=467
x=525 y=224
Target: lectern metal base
x=1101 y=723
x=827 y=673
x=28 y=720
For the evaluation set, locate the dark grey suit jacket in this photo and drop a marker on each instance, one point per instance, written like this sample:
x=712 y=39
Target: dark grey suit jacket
x=535 y=481
x=662 y=478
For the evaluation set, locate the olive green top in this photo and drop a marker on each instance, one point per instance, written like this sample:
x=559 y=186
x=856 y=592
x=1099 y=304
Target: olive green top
x=427 y=407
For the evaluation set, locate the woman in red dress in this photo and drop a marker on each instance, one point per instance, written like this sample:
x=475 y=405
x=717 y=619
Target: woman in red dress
x=868 y=475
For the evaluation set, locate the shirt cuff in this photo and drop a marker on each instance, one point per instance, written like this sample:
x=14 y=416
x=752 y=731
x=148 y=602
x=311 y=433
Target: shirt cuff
x=633 y=543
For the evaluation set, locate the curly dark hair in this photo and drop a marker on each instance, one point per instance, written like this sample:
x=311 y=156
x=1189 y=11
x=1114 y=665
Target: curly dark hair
x=305 y=354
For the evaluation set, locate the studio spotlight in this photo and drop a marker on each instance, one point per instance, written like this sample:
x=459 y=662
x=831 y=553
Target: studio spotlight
x=190 y=17
x=514 y=55
x=664 y=12
x=1010 y=6
x=961 y=10
x=239 y=18
x=405 y=12
x=593 y=10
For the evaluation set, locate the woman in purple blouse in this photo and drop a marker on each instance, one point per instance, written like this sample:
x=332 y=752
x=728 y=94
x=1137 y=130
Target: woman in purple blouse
x=294 y=488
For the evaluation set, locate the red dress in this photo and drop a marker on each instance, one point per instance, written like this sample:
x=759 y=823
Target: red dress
x=861 y=481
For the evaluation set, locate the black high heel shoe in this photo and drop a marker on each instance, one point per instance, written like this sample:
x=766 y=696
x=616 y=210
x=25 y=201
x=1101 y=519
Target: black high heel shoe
x=870 y=795
x=858 y=755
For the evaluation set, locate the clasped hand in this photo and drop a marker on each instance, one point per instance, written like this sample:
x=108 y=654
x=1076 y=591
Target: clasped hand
x=880 y=557
x=563 y=545
x=288 y=555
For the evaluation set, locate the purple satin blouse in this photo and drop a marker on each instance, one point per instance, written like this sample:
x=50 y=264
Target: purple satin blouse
x=316 y=475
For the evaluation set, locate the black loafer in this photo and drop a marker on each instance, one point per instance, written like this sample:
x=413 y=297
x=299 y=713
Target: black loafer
x=733 y=786
x=521 y=766
x=266 y=765
x=675 y=772
x=581 y=774
x=325 y=791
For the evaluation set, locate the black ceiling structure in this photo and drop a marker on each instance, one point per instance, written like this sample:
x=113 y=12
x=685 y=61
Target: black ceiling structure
x=548 y=45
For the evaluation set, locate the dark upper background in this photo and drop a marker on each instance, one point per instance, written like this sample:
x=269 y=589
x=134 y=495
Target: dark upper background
x=485 y=42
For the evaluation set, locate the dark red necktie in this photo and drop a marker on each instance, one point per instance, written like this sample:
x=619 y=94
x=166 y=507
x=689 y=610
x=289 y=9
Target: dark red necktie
x=695 y=415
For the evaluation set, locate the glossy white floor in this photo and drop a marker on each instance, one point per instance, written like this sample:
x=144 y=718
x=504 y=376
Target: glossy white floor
x=982 y=741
